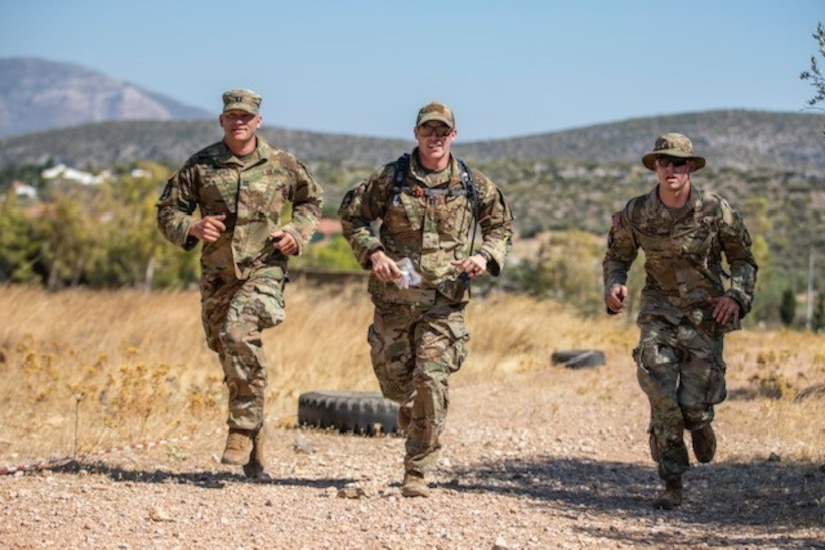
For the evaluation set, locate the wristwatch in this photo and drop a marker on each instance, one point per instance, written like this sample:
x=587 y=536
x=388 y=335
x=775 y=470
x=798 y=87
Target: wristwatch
x=486 y=255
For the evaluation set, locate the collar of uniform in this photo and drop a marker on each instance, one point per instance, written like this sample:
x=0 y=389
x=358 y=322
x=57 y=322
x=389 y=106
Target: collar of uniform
x=261 y=153
x=430 y=178
x=695 y=203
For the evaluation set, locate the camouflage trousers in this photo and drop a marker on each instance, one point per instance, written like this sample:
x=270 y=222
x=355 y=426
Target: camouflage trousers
x=414 y=349
x=682 y=371
x=234 y=312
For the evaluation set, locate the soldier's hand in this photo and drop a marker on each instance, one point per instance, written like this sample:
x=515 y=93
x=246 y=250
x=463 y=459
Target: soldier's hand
x=384 y=267
x=614 y=298
x=725 y=310
x=209 y=228
x=284 y=242
x=473 y=265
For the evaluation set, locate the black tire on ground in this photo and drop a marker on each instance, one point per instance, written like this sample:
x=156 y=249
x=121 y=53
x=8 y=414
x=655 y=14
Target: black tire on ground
x=578 y=358
x=817 y=390
x=366 y=413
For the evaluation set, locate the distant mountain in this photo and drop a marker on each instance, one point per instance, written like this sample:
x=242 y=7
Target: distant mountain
x=38 y=95
x=70 y=114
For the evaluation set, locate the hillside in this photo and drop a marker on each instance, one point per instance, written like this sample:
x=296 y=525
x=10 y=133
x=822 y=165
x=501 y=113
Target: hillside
x=735 y=138
x=38 y=95
x=107 y=144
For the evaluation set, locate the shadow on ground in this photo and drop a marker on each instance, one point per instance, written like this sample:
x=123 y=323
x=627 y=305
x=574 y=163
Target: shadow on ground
x=206 y=480
x=777 y=500
x=739 y=504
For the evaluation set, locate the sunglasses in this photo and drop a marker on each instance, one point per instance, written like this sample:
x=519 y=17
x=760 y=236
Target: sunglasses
x=664 y=161
x=440 y=130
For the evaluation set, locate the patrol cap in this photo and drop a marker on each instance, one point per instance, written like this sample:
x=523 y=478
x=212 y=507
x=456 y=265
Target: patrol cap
x=241 y=100
x=435 y=110
x=672 y=145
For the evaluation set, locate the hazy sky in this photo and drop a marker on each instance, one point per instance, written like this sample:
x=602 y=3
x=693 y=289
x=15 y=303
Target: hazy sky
x=508 y=68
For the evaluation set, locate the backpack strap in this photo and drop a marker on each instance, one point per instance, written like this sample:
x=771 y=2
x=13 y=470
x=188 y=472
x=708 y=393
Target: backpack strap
x=468 y=183
x=400 y=174
x=468 y=188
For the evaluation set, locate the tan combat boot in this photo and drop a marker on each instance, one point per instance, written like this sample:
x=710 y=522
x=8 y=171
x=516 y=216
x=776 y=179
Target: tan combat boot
x=238 y=447
x=257 y=464
x=704 y=443
x=672 y=495
x=415 y=485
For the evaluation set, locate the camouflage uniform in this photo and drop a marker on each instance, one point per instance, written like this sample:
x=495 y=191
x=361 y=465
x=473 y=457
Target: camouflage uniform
x=418 y=336
x=679 y=357
x=242 y=275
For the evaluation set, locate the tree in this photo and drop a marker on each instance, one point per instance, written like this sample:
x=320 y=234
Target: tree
x=132 y=251
x=771 y=281
x=814 y=74
x=787 y=309
x=70 y=240
x=19 y=242
x=566 y=267
x=818 y=321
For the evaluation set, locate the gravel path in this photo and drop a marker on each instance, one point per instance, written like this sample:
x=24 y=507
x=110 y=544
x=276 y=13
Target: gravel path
x=549 y=459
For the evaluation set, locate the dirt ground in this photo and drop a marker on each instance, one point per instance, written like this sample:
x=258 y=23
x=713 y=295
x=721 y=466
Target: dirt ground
x=551 y=459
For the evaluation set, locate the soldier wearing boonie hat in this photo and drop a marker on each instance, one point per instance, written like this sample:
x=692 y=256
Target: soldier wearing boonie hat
x=672 y=145
x=421 y=260
x=688 y=302
x=239 y=186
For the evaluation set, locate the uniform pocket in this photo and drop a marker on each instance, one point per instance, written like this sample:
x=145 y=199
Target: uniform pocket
x=717 y=388
x=458 y=349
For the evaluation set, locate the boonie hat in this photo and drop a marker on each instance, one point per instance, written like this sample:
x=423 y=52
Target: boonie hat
x=672 y=145
x=435 y=111
x=241 y=100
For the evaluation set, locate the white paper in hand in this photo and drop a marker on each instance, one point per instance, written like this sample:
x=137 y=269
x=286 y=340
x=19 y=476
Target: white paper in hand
x=409 y=276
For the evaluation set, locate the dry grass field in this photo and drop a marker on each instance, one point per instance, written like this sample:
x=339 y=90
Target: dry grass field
x=88 y=372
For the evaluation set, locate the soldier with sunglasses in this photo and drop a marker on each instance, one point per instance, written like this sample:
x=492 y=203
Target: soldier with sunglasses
x=688 y=302
x=421 y=259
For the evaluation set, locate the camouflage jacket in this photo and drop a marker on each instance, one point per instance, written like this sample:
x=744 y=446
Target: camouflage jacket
x=431 y=230
x=683 y=255
x=252 y=193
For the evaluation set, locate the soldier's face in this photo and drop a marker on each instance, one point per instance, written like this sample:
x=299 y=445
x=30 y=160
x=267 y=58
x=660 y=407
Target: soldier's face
x=239 y=125
x=434 y=140
x=674 y=175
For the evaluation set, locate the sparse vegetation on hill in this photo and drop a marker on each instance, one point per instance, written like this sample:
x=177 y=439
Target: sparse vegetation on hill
x=736 y=138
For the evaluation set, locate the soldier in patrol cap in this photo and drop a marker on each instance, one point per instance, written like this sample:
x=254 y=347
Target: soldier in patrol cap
x=686 y=308
x=240 y=186
x=422 y=260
